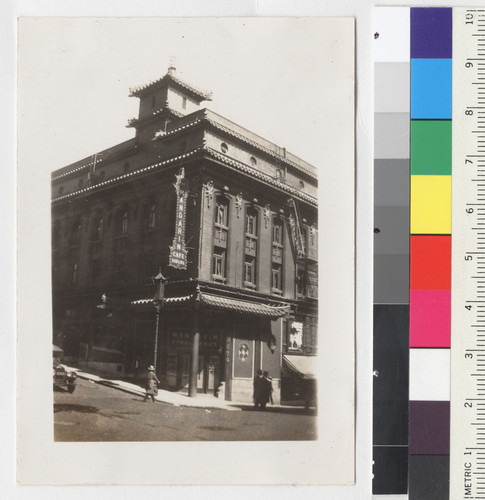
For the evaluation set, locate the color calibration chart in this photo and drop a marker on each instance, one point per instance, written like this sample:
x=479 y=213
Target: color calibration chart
x=429 y=253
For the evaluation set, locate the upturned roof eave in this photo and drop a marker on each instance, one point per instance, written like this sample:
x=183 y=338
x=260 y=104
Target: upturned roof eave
x=198 y=94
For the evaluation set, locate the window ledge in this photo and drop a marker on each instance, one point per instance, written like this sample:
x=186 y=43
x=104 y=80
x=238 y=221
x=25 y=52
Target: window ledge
x=277 y=291
x=247 y=284
x=220 y=279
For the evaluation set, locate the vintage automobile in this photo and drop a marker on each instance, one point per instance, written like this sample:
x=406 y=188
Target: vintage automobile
x=62 y=377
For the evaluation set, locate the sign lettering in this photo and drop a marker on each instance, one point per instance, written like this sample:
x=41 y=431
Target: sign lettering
x=178 y=252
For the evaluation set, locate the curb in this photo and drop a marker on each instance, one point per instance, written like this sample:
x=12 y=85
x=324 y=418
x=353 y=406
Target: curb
x=108 y=383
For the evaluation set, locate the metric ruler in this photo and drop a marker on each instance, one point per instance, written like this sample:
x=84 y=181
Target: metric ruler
x=467 y=426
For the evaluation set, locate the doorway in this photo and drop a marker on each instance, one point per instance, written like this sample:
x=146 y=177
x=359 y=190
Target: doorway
x=209 y=373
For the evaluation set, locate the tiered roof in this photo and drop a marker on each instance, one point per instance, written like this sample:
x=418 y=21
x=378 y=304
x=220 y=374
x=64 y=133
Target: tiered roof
x=171 y=78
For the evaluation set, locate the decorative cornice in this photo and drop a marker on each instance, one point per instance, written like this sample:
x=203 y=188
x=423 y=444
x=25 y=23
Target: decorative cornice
x=125 y=176
x=160 y=135
x=250 y=171
x=78 y=169
x=254 y=144
x=259 y=175
x=101 y=158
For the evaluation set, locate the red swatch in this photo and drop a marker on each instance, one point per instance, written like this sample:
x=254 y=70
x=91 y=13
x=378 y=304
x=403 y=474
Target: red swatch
x=430 y=266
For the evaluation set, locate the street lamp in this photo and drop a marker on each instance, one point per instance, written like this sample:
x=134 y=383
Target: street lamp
x=158 y=303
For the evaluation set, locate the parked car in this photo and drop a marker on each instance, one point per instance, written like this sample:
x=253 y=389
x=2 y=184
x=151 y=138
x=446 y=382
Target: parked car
x=62 y=377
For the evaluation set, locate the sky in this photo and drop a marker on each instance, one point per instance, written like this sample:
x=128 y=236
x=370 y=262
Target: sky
x=280 y=78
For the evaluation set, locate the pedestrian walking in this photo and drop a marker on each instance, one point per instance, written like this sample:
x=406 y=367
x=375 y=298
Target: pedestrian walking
x=151 y=385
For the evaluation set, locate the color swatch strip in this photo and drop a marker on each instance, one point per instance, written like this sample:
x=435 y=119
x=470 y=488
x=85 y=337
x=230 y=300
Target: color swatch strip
x=391 y=249
x=430 y=251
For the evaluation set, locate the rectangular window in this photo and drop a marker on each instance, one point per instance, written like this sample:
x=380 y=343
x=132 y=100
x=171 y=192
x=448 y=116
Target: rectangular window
x=276 y=283
x=300 y=281
x=124 y=224
x=277 y=234
x=219 y=258
x=251 y=225
x=249 y=271
x=150 y=220
x=277 y=257
x=251 y=248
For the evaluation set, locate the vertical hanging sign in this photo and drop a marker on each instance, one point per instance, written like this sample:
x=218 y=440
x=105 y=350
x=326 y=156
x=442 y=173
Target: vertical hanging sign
x=178 y=252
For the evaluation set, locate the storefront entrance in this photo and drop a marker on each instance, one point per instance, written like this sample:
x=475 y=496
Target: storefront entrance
x=208 y=377
x=176 y=372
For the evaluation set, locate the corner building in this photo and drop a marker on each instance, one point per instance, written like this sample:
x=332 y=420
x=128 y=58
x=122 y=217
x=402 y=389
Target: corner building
x=227 y=217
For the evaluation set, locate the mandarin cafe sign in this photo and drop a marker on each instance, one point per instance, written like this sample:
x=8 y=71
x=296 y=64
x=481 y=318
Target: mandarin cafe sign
x=178 y=252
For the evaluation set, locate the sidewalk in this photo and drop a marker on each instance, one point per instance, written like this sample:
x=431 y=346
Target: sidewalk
x=174 y=398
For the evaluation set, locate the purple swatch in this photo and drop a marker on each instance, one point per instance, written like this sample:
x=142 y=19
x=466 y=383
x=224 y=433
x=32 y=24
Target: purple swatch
x=431 y=33
x=429 y=427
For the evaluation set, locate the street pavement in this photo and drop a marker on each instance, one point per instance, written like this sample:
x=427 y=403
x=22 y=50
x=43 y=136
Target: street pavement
x=100 y=412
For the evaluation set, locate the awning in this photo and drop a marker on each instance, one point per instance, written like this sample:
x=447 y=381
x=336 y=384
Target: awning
x=218 y=303
x=243 y=307
x=305 y=366
x=168 y=300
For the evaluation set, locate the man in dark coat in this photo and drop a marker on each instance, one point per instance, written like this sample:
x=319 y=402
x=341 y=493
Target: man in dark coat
x=258 y=389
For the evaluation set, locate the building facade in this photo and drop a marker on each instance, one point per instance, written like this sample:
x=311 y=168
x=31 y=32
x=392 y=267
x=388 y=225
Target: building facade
x=193 y=244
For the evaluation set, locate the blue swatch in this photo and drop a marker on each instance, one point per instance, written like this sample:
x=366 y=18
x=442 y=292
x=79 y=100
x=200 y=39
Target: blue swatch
x=431 y=84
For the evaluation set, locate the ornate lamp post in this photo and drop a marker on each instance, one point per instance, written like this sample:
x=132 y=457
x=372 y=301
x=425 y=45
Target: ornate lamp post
x=158 y=301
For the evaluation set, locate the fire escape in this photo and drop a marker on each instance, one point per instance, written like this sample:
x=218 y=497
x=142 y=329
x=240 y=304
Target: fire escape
x=305 y=252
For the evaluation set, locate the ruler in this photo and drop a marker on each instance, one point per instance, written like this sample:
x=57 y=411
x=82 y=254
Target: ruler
x=467 y=426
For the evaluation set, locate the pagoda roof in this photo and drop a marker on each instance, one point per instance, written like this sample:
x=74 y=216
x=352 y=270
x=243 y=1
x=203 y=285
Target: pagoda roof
x=171 y=78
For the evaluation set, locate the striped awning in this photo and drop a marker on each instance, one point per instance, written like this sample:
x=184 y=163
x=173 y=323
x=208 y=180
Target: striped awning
x=244 y=307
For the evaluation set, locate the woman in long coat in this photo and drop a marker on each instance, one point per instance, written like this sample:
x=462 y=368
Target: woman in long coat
x=152 y=384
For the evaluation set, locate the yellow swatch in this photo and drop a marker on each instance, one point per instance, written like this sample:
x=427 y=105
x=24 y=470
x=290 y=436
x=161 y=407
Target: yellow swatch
x=430 y=204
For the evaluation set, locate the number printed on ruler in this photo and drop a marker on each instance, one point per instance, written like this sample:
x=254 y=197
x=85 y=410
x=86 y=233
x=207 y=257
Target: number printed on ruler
x=467 y=432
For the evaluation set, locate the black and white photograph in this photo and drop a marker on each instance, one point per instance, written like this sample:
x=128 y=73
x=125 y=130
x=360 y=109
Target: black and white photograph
x=179 y=214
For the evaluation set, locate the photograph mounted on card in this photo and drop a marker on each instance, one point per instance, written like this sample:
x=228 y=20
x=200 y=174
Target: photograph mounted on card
x=178 y=252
